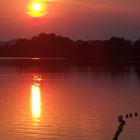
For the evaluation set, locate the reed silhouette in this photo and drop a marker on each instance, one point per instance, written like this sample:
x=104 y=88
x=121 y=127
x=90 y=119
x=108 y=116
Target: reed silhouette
x=122 y=123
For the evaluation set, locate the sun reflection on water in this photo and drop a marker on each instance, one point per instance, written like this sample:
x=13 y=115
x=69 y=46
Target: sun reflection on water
x=36 y=98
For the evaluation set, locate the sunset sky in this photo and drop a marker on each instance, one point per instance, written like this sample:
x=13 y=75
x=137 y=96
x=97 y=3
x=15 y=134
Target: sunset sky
x=77 y=19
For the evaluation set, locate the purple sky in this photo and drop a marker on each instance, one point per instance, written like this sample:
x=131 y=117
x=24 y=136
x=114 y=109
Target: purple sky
x=77 y=19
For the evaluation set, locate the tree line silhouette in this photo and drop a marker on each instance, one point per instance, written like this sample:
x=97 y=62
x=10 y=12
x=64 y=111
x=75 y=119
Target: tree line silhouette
x=53 y=46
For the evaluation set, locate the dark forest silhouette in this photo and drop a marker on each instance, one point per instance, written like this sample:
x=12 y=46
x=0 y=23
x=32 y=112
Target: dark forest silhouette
x=52 y=46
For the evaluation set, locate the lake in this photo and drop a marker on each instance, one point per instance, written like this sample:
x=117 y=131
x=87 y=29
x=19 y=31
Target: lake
x=65 y=102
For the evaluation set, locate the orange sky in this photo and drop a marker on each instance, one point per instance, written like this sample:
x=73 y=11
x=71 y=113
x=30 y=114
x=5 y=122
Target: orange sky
x=78 y=19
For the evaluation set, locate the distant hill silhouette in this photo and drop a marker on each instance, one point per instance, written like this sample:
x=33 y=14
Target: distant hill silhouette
x=53 y=46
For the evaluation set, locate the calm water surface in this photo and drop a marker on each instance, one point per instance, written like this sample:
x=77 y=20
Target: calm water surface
x=67 y=103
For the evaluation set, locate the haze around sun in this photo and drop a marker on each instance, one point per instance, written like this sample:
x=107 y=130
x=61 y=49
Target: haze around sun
x=36 y=9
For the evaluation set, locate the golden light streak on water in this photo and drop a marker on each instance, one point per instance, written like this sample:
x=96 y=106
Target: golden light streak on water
x=36 y=98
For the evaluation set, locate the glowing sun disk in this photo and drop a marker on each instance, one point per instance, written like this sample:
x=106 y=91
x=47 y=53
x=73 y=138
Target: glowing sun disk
x=36 y=7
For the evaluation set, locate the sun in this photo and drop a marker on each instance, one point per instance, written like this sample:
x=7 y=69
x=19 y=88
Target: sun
x=36 y=6
x=36 y=9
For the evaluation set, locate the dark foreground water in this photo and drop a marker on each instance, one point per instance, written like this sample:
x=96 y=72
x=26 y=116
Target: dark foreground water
x=43 y=102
